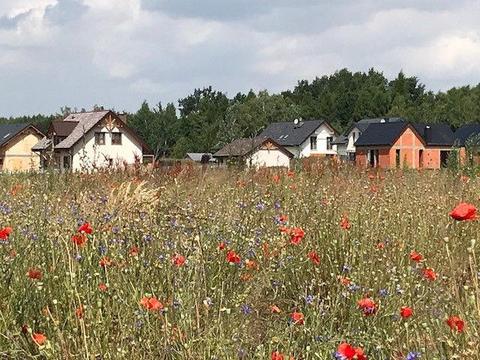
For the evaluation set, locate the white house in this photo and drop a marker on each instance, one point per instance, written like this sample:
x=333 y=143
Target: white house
x=90 y=140
x=303 y=138
x=256 y=152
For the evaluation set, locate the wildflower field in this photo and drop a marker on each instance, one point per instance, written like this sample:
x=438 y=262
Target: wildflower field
x=329 y=263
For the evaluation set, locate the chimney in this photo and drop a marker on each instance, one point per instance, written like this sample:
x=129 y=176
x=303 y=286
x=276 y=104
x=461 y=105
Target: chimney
x=123 y=117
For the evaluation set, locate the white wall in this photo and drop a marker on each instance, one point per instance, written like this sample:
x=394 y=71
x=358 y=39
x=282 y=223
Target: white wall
x=268 y=158
x=322 y=133
x=351 y=141
x=86 y=153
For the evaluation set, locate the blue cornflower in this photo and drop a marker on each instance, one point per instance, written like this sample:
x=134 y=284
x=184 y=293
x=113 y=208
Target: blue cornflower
x=383 y=292
x=102 y=250
x=413 y=355
x=309 y=299
x=246 y=309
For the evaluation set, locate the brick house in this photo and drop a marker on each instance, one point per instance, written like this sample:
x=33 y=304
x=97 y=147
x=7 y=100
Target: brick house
x=404 y=144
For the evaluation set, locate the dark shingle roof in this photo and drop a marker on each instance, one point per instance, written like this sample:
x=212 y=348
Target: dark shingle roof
x=63 y=128
x=435 y=134
x=242 y=147
x=290 y=134
x=466 y=131
x=363 y=124
x=340 y=140
x=8 y=131
x=381 y=134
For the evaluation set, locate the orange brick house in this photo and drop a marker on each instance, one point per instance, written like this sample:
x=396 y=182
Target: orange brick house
x=404 y=144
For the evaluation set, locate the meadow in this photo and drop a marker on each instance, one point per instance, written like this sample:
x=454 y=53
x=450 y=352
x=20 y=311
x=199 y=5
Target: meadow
x=324 y=262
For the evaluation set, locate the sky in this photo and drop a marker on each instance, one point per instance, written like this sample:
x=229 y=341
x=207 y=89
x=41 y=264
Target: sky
x=117 y=53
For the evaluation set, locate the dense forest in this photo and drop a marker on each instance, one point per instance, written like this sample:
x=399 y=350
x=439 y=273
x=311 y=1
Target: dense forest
x=207 y=119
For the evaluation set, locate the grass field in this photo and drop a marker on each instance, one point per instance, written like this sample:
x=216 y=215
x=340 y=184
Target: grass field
x=238 y=265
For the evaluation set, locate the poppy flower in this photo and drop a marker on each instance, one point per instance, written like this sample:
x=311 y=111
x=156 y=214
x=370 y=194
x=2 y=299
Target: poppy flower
x=406 y=312
x=290 y=174
x=415 y=256
x=464 y=212
x=5 y=233
x=429 y=274
x=455 y=323
x=39 y=338
x=296 y=235
x=275 y=309
x=276 y=179
x=232 y=257
x=79 y=239
x=345 y=280
x=105 y=261
x=151 y=303
x=367 y=305
x=282 y=219
x=134 y=251
x=314 y=258
x=297 y=318
x=251 y=264
x=277 y=356
x=79 y=312
x=221 y=246
x=346 y=351
x=380 y=245
x=345 y=223
x=34 y=274
x=102 y=287
x=178 y=260
x=85 y=228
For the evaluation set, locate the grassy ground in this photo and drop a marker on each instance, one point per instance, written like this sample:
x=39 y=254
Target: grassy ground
x=146 y=303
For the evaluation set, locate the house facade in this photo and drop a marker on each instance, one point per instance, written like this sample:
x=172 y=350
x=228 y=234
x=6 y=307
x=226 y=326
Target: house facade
x=91 y=140
x=303 y=138
x=403 y=144
x=16 y=142
x=257 y=152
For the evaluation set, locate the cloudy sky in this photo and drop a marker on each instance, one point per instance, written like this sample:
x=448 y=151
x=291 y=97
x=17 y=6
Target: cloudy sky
x=117 y=53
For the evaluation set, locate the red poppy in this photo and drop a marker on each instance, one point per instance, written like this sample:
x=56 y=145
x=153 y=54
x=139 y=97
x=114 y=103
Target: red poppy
x=178 y=260
x=297 y=318
x=105 y=261
x=5 y=233
x=314 y=258
x=406 y=312
x=429 y=274
x=348 y=352
x=345 y=280
x=380 y=245
x=79 y=239
x=464 y=212
x=277 y=356
x=290 y=174
x=251 y=264
x=86 y=228
x=221 y=246
x=283 y=219
x=39 y=338
x=415 y=256
x=102 y=287
x=134 y=251
x=232 y=257
x=455 y=323
x=276 y=179
x=296 y=235
x=367 y=305
x=151 y=303
x=34 y=274
x=275 y=309
x=345 y=223
x=79 y=312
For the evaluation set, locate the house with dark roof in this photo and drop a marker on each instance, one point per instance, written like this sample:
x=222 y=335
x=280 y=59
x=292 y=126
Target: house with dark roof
x=255 y=152
x=16 y=141
x=204 y=158
x=346 y=142
x=90 y=140
x=467 y=138
x=303 y=138
x=404 y=144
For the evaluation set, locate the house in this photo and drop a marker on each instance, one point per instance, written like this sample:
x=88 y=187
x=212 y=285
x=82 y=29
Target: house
x=346 y=143
x=90 y=140
x=200 y=157
x=403 y=144
x=467 y=138
x=256 y=152
x=303 y=138
x=16 y=141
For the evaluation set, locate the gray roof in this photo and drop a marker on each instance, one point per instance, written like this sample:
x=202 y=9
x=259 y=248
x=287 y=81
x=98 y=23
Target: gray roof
x=381 y=134
x=363 y=124
x=465 y=132
x=198 y=156
x=290 y=134
x=242 y=147
x=8 y=131
x=85 y=122
x=42 y=144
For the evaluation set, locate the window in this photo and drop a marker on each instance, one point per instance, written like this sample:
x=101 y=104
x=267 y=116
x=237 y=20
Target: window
x=329 y=143
x=1 y=164
x=354 y=137
x=99 y=138
x=66 y=162
x=116 y=138
x=313 y=143
x=397 y=158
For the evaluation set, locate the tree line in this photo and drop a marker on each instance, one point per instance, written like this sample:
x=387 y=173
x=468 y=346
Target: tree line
x=207 y=119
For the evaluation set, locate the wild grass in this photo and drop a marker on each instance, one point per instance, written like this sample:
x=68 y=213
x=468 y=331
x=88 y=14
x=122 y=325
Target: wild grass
x=213 y=309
